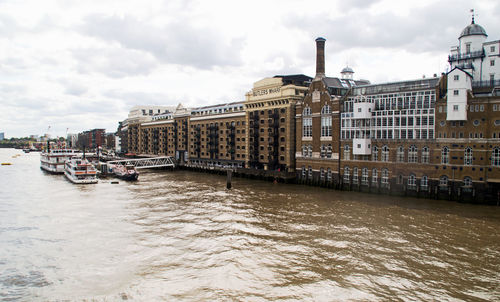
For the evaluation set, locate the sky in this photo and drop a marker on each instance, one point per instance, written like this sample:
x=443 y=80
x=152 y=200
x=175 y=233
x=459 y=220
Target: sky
x=67 y=66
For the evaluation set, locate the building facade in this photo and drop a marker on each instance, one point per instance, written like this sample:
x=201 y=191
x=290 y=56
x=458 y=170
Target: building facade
x=435 y=137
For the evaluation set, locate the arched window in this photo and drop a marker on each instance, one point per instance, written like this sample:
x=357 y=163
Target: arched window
x=385 y=177
x=304 y=150
x=400 y=179
x=385 y=153
x=495 y=157
x=326 y=121
x=322 y=174
x=364 y=176
x=401 y=154
x=375 y=153
x=355 y=175
x=445 y=156
x=323 y=151
x=468 y=156
x=443 y=182
x=347 y=174
x=303 y=172
x=309 y=150
x=309 y=172
x=412 y=154
x=412 y=182
x=329 y=175
x=329 y=151
x=347 y=152
x=467 y=181
x=425 y=155
x=306 y=122
x=374 y=176
x=424 y=182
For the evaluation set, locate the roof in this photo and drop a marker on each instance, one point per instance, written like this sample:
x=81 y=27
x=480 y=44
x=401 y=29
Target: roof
x=296 y=79
x=461 y=69
x=347 y=69
x=473 y=29
x=344 y=83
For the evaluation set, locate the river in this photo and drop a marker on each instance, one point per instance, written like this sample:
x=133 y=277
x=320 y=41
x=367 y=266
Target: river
x=181 y=236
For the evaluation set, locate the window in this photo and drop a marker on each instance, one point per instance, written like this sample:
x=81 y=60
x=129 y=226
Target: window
x=346 y=174
x=425 y=155
x=307 y=122
x=443 y=181
x=412 y=154
x=310 y=172
x=329 y=175
x=467 y=48
x=401 y=154
x=364 y=176
x=492 y=62
x=456 y=92
x=467 y=181
x=424 y=182
x=445 y=156
x=455 y=107
x=374 y=153
x=326 y=121
x=355 y=175
x=456 y=77
x=412 y=182
x=374 y=176
x=322 y=174
x=323 y=151
x=468 y=156
x=329 y=151
x=385 y=177
x=492 y=48
x=495 y=157
x=347 y=153
x=303 y=172
x=385 y=153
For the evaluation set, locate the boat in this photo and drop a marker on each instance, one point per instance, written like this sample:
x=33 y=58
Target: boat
x=80 y=171
x=6 y=164
x=52 y=160
x=125 y=172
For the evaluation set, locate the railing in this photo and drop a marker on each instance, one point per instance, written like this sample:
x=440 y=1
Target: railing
x=143 y=163
x=464 y=56
x=491 y=83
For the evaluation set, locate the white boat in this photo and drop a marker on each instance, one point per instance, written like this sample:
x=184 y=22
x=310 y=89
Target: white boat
x=80 y=171
x=53 y=160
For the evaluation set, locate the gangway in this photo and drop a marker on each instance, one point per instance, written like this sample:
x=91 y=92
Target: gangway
x=144 y=163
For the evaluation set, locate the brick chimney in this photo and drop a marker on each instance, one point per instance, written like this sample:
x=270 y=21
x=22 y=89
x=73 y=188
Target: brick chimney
x=320 y=59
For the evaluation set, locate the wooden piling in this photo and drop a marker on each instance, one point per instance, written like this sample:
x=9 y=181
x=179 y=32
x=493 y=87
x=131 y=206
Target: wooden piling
x=228 y=180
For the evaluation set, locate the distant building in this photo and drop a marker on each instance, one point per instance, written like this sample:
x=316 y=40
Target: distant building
x=72 y=140
x=2 y=136
x=91 y=139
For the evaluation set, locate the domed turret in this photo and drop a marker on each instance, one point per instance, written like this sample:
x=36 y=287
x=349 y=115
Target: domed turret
x=472 y=30
x=347 y=73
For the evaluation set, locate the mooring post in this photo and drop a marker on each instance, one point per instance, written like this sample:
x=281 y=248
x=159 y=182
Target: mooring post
x=229 y=176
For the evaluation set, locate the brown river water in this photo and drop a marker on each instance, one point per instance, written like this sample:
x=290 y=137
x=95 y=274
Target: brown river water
x=181 y=236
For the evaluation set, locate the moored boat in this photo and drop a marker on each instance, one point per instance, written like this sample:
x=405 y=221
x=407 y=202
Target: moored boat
x=52 y=160
x=80 y=171
x=125 y=172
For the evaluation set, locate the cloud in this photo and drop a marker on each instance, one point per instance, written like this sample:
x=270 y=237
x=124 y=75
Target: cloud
x=176 y=43
x=114 y=61
x=426 y=29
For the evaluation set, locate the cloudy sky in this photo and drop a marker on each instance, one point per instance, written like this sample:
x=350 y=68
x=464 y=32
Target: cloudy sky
x=79 y=65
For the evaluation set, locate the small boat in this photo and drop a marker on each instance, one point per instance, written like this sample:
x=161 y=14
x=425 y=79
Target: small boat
x=6 y=164
x=125 y=172
x=80 y=171
x=52 y=160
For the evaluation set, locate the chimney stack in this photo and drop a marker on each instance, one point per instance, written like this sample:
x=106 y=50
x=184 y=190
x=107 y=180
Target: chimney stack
x=320 y=58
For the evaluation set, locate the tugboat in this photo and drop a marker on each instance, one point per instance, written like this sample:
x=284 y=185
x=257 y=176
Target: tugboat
x=126 y=172
x=80 y=171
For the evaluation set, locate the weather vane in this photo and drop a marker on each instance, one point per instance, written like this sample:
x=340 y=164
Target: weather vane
x=472 y=12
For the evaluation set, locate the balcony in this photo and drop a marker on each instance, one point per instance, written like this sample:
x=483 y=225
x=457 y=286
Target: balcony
x=466 y=56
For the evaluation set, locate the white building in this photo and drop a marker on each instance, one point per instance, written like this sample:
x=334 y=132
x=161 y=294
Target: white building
x=475 y=55
x=474 y=62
